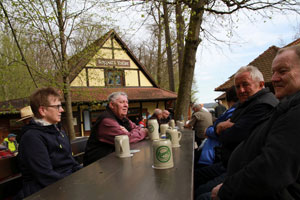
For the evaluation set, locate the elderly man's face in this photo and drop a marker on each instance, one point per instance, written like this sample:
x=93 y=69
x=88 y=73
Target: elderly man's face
x=165 y=114
x=246 y=86
x=120 y=106
x=286 y=74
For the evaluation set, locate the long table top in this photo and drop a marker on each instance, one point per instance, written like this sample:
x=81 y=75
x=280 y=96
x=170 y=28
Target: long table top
x=130 y=178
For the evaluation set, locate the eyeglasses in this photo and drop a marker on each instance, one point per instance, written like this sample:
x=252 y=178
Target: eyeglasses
x=55 y=106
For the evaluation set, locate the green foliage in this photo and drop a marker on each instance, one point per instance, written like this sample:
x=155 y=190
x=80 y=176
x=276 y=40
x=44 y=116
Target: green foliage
x=15 y=81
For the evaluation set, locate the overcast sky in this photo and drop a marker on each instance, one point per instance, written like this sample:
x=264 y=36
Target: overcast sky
x=215 y=64
x=214 y=67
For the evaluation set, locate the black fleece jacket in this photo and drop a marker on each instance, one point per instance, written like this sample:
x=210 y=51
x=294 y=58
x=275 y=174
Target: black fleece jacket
x=267 y=164
x=44 y=157
x=246 y=117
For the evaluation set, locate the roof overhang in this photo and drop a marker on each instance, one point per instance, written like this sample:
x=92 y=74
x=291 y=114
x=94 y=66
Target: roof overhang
x=90 y=95
x=134 y=94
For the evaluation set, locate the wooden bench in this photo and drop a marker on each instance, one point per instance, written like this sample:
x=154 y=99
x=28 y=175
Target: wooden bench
x=10 y=177
x=78 y=148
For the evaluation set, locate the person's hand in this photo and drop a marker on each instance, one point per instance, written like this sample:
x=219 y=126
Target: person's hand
x=205 y=132
x=124 y=129
x=214 y=192
x=187 y=126
x=146 y=131
x=223 y=126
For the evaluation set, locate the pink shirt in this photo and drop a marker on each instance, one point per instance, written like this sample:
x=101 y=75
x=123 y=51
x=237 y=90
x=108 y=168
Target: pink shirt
x=109 y=128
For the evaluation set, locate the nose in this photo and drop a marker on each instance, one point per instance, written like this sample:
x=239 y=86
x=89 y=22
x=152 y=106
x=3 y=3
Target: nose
x=275 y=77
x=241 y=89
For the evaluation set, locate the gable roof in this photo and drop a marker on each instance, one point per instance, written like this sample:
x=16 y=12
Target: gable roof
x=81 y=59
x=296 y=42
x=94 y=94
x=263 y=62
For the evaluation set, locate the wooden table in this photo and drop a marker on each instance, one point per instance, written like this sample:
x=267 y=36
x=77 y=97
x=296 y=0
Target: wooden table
x=113 y=178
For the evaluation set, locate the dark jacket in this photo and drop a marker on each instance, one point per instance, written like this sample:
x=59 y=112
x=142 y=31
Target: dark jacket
x=165 y=120
x=96 y=149
x=219 y=110
x=44 y=157
x=267 y=164
x=246 y=117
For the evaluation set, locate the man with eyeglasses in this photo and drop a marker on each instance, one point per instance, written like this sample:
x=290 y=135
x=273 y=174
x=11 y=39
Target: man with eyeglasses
x=45 y=154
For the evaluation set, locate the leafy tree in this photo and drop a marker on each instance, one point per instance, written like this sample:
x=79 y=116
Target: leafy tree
x=200 y=10
x=50 y=27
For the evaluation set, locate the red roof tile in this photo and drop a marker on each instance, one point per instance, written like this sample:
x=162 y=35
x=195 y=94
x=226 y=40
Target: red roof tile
x=134 y=94
x=97 y=95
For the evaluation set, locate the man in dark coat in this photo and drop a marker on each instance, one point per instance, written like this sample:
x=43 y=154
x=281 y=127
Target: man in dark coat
x=267 y=164
x=255 y=106
x=219 y=109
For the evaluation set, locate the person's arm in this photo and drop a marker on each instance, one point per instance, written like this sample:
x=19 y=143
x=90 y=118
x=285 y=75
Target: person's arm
x=35 y=156
x=245 y=124
x=191 y=122
x=222 y=126
x=5 y=143
x=210 y=132
x=110 y=128
x=274 y=169
x=137 y=133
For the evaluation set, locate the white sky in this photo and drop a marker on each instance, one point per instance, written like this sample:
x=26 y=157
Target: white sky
x=215 y=65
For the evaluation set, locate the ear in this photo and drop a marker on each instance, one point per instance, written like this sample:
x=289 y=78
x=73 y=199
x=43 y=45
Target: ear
x=261 y=84
x=42 y=111
x=111 y=105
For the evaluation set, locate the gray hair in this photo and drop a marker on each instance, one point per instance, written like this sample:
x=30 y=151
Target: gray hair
x=198 y=106
x=113 y=96
x=255 y=74
x=166 y=111
x=295 y=48
x=157 y=111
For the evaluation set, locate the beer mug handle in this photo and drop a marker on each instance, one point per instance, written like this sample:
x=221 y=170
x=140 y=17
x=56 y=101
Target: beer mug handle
x=121 y=145
x=179 y=136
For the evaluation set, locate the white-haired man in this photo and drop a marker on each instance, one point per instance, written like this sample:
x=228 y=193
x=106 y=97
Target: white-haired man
x=157 y=114
x=267 y=164
x=256 y=104
x=199 y=122
x=165 y=117
x=110 y=123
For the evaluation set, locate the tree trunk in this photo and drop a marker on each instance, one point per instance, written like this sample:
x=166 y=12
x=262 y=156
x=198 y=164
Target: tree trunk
x=168 y=46
x=64 y=69
x=68 y=106
x=180 y=36
x=159 y=55
x=186 y=80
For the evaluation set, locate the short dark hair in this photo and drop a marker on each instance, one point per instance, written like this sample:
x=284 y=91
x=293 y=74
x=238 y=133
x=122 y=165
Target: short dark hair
x=231 y=95
x=40 y=98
